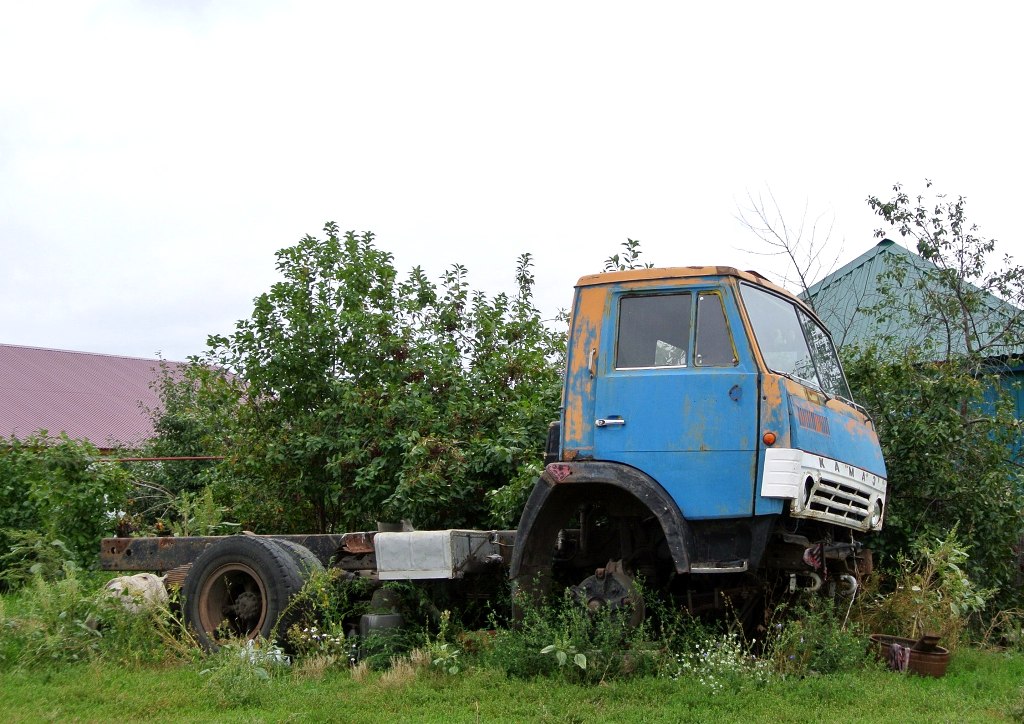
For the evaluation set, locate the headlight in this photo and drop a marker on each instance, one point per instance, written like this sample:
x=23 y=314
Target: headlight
x=876 y=514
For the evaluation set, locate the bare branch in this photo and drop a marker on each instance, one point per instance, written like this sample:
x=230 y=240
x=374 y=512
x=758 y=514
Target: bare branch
x=802 y=247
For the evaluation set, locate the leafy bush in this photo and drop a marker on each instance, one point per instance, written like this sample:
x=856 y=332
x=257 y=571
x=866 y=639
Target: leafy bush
x=55 y=488
x=948 y=328
x=946 y=448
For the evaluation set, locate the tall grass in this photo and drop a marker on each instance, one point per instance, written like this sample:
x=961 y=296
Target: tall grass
x=539 y=667
x=72 y=620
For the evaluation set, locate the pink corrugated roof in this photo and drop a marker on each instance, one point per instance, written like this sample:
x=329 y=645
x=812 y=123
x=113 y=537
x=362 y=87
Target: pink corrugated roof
x=97 y=397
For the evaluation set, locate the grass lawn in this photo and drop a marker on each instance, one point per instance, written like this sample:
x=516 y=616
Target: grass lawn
x=980 y=686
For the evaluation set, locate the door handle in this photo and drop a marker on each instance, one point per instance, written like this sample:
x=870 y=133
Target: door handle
x=609 y=421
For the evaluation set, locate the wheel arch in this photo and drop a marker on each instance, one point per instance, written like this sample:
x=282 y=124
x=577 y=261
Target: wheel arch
x=563 y=486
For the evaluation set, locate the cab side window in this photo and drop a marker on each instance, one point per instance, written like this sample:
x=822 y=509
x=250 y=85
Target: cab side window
x=654 y=331
x=714 y=347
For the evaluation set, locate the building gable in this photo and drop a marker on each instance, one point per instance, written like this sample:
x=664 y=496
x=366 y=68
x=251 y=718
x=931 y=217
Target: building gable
x=844 y=299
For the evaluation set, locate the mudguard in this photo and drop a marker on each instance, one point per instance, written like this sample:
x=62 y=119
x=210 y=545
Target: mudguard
x=562 y=486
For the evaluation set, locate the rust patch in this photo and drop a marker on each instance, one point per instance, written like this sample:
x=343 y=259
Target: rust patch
x=814 y=396
x=357 y=542
x=795 y=389
x=117 y=546
x=862 y=426
x=673 y=273
x=175 y=578
x=771 y=391
x=586 y=341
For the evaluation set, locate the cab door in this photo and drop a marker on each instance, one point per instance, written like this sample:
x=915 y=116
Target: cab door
x=676 y=397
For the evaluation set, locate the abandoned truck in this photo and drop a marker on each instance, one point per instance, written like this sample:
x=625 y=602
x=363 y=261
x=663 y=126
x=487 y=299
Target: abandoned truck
x=707 y=444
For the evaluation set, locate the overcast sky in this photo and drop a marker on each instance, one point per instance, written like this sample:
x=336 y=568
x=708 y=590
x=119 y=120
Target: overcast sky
x=154 y=155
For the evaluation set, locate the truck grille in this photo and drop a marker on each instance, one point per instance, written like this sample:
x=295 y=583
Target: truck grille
x=838 y=502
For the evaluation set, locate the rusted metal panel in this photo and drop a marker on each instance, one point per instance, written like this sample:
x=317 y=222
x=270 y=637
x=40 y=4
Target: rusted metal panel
x=578 y=399
x=357 y=542
x=167 y=552
x=684 y=276
x=323 y=545
x=151 y=554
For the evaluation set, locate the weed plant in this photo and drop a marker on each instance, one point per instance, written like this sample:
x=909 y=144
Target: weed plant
x=928 y=592
x=65 y=621
x=324 y=611
x=238 y=673
x=379 y=649
x=53 y=623
x=1005 y=630
x=71 y=620
x=814 y=636
x=33 y=554
x=565 y=639
x=1016 y=710
x=723 y=663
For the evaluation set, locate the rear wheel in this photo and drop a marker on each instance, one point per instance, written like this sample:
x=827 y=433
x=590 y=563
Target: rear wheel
x=304 y=558
x=239 y=588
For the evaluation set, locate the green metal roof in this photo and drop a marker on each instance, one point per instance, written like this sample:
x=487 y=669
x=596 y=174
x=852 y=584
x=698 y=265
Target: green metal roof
x=843 y=297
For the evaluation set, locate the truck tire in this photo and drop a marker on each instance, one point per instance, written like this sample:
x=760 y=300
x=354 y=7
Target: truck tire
x=239 y=587
x=304 y=558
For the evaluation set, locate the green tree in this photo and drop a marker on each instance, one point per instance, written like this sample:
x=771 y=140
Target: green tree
x=197 y=417
x=965 y=303
x=944 y=411
x=946 y=435
x=373 y=397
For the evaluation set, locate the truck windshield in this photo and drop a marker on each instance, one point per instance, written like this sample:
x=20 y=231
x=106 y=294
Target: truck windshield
x=792 y=343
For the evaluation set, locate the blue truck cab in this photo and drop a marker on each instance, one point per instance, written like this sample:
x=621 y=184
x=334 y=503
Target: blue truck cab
x=707 y=442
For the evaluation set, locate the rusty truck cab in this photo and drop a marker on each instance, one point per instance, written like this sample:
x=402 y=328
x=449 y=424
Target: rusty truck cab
x=706 y=427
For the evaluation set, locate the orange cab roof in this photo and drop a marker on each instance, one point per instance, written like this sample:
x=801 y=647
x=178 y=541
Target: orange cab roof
x=687 y=273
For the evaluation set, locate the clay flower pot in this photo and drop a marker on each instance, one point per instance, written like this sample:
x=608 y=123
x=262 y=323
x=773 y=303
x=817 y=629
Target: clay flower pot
x=922 y=656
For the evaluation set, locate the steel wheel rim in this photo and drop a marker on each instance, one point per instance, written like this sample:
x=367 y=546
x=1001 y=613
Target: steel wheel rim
x=220 y=594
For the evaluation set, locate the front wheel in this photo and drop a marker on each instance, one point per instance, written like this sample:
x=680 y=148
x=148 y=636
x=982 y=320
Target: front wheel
x=239 y=587
x=612 y=589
